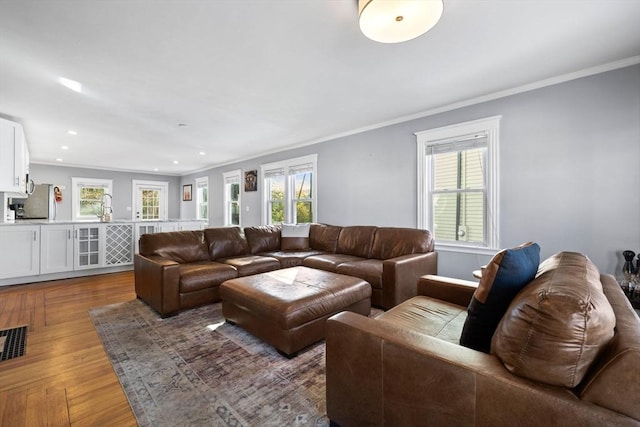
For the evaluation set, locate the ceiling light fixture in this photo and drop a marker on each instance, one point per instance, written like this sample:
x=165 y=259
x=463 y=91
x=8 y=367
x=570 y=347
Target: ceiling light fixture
x=202 y=153
x=395 y=21
x=175 y=162
x=72 y=132
x=70 y=84
x=64 y=147
x=58 y=159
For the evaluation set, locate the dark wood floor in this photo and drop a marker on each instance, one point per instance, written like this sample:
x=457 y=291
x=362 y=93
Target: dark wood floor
x=65 y=377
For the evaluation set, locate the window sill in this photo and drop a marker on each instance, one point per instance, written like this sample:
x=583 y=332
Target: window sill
x=477 y=250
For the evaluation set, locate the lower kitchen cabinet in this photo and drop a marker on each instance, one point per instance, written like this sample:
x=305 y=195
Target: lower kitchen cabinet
x=56 y=249
x=19 y=251
x=87 y=246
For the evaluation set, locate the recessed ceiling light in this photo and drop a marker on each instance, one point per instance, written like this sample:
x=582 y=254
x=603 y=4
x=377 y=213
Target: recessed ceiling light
x=155 y=169
x=202 y=153
x=70 y=84
x=58 y=159
x=72 y=132
x=64 y=147
x=175 y=162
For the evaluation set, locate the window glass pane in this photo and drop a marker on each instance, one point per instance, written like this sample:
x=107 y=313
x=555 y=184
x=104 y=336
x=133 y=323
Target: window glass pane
x=276 y=187
x=235 y=192
x=459 y=169
x=304 y=213
x=235 y=214
x=150 y=204
x=459 y=216
x=276 y=212
x=302 y=185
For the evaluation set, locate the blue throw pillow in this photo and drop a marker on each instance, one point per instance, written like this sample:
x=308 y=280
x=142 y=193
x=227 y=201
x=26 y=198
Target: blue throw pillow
x=507 y=273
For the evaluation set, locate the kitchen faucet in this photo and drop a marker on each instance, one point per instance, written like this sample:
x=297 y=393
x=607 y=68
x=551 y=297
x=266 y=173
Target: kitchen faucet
x=105 y=208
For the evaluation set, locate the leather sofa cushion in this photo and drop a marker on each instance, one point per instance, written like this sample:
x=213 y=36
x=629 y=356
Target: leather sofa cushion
x=178 y=246
x=205 y=274
x=226 y=242
x=291 y=258
x=429 y=316
x=369 y=270
x=252 y=264
x=391 y=242
x=558 y=324
x=356 y=240
x=264 y=238
x=323 y=237
x=329 y=262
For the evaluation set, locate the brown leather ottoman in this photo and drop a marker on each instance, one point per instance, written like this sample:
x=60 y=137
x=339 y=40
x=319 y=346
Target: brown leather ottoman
x=288 y=308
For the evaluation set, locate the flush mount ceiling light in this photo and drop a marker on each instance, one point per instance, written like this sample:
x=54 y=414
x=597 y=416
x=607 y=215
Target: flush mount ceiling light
x=70 y=84
x=394 y=21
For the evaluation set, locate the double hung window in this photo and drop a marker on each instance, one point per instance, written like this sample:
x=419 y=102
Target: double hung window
x=202 y=197
x=89 y=196
x=457 y=184
x=231 y=198
x=289 y=191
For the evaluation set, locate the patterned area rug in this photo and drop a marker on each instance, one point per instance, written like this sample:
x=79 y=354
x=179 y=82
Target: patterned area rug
x=194 y=369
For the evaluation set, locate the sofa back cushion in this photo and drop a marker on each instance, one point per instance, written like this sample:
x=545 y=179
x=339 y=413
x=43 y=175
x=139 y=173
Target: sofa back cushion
x=264 y=238
x=295 y=237
x=558 y=324
x=391 y=242
x=324 y=237
x=226 y=242
x=178 y=246
x=504 y=276
x=356 y=240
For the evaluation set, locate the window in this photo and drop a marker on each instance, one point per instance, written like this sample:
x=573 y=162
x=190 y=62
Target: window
x=89 y=196
x=150 y=200
x=289 y=190
x=231 y=198
x=202 y=197
x=458 y=184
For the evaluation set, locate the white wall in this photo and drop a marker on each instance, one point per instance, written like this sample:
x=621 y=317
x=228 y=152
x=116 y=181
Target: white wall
x=569 y=172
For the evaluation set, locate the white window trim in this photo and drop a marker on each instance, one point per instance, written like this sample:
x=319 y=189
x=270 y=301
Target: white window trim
x=199 y=181
x=424 y=139
x=75 y=194
x=228 y=176
x=164 y=204
x=286 y=164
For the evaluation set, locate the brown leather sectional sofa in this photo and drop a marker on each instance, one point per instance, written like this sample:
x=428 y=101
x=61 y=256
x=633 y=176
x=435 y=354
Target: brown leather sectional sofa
x=406 y=367
x=184 y=269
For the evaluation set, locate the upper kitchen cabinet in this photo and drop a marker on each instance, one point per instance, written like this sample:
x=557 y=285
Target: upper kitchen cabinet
x=14 y=159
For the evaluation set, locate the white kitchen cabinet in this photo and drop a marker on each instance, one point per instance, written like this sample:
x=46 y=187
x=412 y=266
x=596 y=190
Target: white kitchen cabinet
x=19 y=251
x=190 y=225
x=118 y=244
x=144 y=228
x=56 y=248
x=13 y=158
x=87 y=253
x=164 y=227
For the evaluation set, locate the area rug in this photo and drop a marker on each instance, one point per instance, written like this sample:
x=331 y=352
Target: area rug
x=13 y=342
x=194 y=369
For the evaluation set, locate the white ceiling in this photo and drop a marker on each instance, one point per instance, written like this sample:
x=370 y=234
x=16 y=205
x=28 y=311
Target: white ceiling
x=251 y=77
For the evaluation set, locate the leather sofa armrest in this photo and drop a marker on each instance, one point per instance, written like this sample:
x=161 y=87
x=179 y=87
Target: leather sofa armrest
x=455 y=291
x=157 y=283
x=378 y=373
x=400 y=276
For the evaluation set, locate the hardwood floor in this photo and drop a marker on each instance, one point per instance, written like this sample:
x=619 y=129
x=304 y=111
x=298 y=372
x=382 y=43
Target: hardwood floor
x=65 y=377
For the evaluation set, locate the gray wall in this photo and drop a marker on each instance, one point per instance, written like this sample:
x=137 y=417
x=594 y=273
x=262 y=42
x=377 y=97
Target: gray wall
x=122 y=187
x=569 y=172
